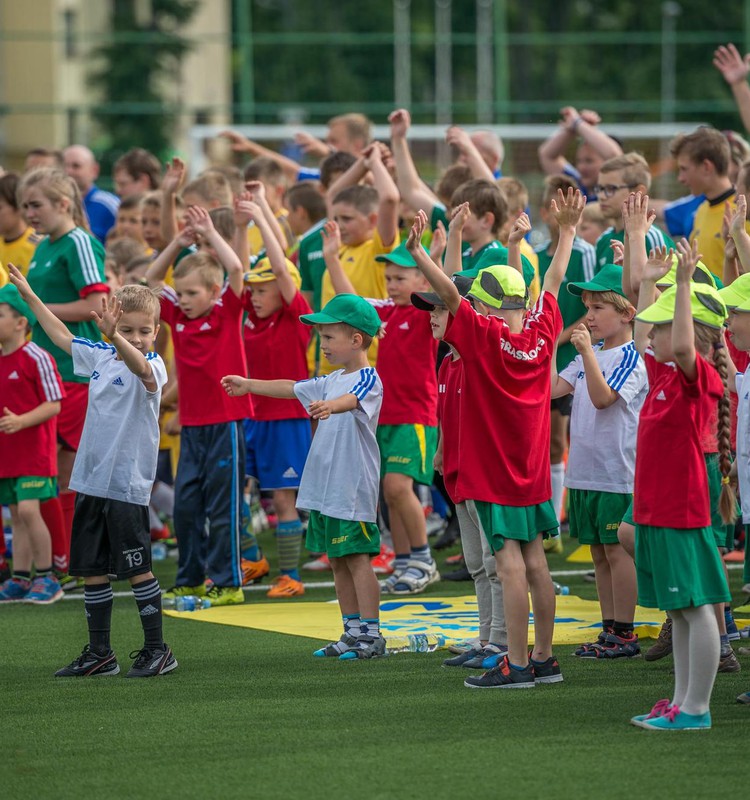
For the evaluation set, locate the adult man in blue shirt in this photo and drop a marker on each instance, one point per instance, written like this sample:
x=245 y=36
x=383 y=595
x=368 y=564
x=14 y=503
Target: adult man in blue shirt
x=100 y=206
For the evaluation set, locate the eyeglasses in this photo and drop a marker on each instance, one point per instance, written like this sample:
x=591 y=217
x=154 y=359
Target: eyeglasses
x=610 y=189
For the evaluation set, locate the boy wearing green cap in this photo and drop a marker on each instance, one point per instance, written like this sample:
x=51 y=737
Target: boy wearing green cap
x=407 y=431
x=31 y=390
x=339 y=485
x=608 y=384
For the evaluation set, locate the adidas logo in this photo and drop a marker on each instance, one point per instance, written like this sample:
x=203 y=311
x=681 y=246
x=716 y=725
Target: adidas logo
x=661 y=395
x=179 y=327
x=94 y=376
x=13 y=376
x=404 y=326
x=205 y=327
x=289 y=473
x=148 y=610
x=117 y=382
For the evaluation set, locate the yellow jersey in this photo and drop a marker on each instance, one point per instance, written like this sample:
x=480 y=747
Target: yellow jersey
x=255 y=240
x=18 y=252
x=707 y=230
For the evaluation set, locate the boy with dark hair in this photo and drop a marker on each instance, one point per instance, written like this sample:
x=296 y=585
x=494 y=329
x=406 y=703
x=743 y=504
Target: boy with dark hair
x=136 y=172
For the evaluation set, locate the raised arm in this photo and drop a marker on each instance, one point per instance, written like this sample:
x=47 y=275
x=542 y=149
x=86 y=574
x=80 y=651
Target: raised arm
x=200 y=221
x=567 y=211
x=637 y=220
x=171 y=184
x=158 y=268
x=439 y=281
x=331 y=248
x=453 y=248
x=738 y=232
x=657 y=266
x=520 y=228
x=351 y=177
x=415 y=192
x=241 y=144
x=683 y=332
x=552 y=151
x=258 y=192
x=242 y=219
x=388 y=196
x=53 y=326
x=734 y=68
x=460 y=139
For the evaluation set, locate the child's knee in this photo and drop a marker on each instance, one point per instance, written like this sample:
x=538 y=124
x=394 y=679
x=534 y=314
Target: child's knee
x=28 y=513
x=397 y=487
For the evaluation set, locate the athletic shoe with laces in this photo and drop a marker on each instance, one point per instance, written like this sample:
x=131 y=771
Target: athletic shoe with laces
x=382 y=564
x=14 y=590
x=662 y=647
x=675 y=720
x=253 y=571
x=44 y=591
x=503 y=676
x=90 y=665
x=335 y=649
x=286 y=586
x=185 y=591
x=547 y=671
x=150 y=662
x=68 y=583
x=729 y=663
x=461 y=659
x=225 y=595
x=365 y=647
x=477 y=661
x=318 y=564
x=660 y=707
x=614 y=646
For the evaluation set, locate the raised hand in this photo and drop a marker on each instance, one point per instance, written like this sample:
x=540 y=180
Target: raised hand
x=331 y=239
x=311 y=145
x=414 y=242
x=239 y=143
x=438 y=243
x=567 y=208
x=733 y=67
x=636 y=216
x=400 y=122
x=460 y=214
x=660 y=261
x=520 y=228
x=199 y=220
x=174 y=176
x=459 y=138
x=590 y=116
x=19 y=281
x=739 y=218
x=109 y=317
x=256 y=189
x=687 y=257
x=618 y=252
x=373 y=154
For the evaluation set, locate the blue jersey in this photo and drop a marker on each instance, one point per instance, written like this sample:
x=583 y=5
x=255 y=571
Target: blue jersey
x=101 y=210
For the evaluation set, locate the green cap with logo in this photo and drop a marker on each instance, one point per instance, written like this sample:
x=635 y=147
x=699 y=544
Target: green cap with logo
x=608 y=279
x=399 y=256
x=350 y=309
x=10 y=296
x=500 y=286
x=737 y=294
x=706 y=305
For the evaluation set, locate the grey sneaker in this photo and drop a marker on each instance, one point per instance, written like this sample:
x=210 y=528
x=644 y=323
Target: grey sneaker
x=461 y=659
x=365 y=647
x=729 y=663
x=335 y=649
x=662 y=647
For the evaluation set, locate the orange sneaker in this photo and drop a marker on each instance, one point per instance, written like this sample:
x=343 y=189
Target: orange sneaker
x=253 y=571
x=286 y=586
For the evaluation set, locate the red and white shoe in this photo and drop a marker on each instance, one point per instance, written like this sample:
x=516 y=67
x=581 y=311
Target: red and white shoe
x=382 y=564
x=319 y=564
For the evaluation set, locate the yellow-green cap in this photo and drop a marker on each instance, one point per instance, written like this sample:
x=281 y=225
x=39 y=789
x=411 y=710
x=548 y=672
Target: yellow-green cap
x=10 y=296
x=706 y=306
x=702 y=274
x=500 y=286
x=737 y=294
x=349 y=308
x=261 y=272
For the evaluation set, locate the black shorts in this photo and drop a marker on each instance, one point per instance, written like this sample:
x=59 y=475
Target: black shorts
x=563 y=404
x=109 y=537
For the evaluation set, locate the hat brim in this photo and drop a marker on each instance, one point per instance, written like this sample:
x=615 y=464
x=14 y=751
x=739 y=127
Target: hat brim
x=733 y=299
x=426 y=301
x=578 y=289
x=319 y=318
x=399 y=261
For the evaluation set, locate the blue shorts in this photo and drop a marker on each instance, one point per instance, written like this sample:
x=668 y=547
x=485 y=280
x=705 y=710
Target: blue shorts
x=276 y=451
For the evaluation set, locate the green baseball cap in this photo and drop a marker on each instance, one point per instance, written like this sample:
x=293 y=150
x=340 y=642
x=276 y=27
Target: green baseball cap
x=706 y=305
x=426 y=301
x=702 y=274
x=608 y=279
x=500 y=286
x=350 y=309
x=399 y=256
x=10 y=296
x=737 y=294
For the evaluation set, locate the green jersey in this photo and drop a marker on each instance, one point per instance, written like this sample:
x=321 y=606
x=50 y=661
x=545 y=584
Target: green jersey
x=311 y=262
x=581 y=267
x=60 y=272
x=654 y=238
x=489 y=255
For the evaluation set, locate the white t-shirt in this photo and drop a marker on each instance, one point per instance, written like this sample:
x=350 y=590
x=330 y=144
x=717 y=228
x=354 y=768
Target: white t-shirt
x=342 y=472
x=743 y=445
x=120 y=441
x=602 y=441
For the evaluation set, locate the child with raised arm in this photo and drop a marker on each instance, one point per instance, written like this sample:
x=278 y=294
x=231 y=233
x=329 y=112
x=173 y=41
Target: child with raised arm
x=113 y=472
x=339 y=485
x=205 y=315
x=505 y=396
x=678 y=565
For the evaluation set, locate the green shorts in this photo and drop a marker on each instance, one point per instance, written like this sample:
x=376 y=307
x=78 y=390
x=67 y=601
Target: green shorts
x=522 y=523
x=723 y=534
x=408 y=449
x=678 y=568
x=596 y=516
x=627 y=517
x=341 y=537
x=13 y=490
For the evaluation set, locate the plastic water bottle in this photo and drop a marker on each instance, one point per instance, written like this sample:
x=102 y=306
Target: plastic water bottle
x=415 y=643
x=562 y=590
x=158 y=551
x=188 y=602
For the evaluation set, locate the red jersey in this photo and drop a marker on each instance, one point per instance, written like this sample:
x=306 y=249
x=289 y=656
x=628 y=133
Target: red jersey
x=276 y=347
x=449 y=398
x=406 y=365
x=505 y=404
x=741 y=360
x=205 y=350
x=671 y=483
x=28 y=378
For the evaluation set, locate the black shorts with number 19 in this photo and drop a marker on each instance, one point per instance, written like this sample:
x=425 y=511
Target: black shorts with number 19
x=109 y=537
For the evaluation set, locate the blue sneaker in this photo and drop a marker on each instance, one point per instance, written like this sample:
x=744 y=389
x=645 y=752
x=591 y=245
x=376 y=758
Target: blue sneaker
x=661 y=707
x=732 y=630
x=14 y=591
x=477 y=662
x=675 y=720
x=44 y=591
x=497 y=655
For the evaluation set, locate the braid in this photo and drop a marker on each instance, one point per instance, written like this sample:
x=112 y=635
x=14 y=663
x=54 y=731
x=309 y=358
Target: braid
x=727 y=500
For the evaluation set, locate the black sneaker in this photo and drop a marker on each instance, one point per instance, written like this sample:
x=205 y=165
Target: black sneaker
x=150 y=662
x=449 y=536
x=461 y=659
x=547 y=671
x=504 y=676
x=90 y=665
x=460 y=574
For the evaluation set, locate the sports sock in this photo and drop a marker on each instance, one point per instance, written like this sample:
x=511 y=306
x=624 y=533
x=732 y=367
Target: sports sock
x=52 y=514
x=725 y=648
x=148 y=598
x=352 y=627
x=289 y=543
x=622 y=629
x=22 y=575
x=421 y=554
x=98 y=601
x=400 y=562
x=607 y=625
x=249 y=547
x=68 y=507
x=557 y=475
x=43 y=572
x=370 y=628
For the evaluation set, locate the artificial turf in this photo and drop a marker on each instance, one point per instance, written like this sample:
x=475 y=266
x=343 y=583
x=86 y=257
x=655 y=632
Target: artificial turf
x=250 y=714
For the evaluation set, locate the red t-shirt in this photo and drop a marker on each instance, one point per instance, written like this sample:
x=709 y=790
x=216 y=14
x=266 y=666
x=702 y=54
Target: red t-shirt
x=205 y=350
x=741 y=360
x=505 y=404
x=671 y=483
x=449 y=398
x=276 y=347
x=28 y=378
x=406 y=365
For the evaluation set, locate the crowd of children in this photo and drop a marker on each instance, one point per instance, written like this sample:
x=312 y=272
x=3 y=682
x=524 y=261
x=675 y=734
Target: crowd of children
x=333 y=337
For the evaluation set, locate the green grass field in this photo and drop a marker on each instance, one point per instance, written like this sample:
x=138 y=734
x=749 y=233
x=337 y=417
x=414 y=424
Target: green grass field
x=250 y=714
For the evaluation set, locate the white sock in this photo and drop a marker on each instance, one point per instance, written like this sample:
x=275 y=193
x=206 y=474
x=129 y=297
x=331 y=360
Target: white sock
x=557 y=475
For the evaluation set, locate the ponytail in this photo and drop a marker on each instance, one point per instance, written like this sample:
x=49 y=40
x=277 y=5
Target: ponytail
x=728 y=498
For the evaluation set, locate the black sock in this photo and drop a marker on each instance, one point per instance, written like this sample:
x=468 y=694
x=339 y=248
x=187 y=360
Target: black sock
x=43 y=572
x=148 y=598
x=98 y=601
x=22 y=575
x=607 y=625
x=624 y=629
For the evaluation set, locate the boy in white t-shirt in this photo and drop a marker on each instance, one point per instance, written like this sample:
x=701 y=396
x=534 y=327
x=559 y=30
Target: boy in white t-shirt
x=339 y=485
x=609 y=385
x=114 y=471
